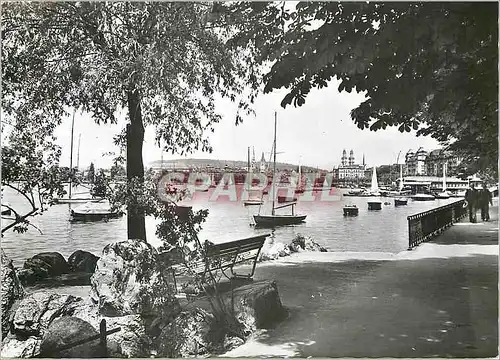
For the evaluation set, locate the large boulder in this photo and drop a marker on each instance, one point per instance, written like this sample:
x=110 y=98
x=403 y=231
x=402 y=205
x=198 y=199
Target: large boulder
x=133 y=338
x=31 y=319
x=257 y=305
x=128 y=281
x=37 y=310
x=82 y=261
x=42 y=266
x=191 y=333
x=272 y=250
x=69 y=330
x=12 y=290
x=305 y=243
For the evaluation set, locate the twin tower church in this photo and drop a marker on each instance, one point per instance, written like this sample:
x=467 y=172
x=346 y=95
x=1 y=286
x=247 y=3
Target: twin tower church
x=348 y=169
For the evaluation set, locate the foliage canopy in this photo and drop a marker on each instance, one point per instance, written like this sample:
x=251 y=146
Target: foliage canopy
x=431 y=67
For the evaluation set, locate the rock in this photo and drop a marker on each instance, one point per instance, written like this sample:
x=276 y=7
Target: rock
x=127 y=281
x=12 y=290
x=32 y=275
x=271 y=250
x=132 y=338
x=189 y=334
x=257 y=305
x=36 y=311
x=30 y=320
x=232 y=342
x=82 y=261
x=301 y=243
x=51 y=262
x=68 y=330
x=14 y=348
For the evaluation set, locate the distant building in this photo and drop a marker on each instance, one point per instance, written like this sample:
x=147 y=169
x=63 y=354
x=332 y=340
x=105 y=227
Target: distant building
x=262 y=164
x=423 y=163
x=348 y=169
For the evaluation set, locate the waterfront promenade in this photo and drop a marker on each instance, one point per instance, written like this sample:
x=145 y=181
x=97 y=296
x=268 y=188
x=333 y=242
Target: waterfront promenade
x=438 y=300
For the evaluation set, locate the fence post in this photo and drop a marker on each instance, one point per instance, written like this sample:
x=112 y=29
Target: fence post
x=103 y=342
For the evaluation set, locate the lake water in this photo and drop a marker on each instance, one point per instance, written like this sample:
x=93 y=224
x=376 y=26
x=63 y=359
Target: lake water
x=372 y=231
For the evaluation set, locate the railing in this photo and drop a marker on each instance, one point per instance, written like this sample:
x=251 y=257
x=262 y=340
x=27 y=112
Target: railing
x=103 y=333
x=425 y=225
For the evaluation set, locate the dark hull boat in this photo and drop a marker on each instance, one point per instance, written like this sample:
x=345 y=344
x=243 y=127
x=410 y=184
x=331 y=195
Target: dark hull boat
x=351 y=210
x=75 y=216
x=253 y=202
x=284 y=199
x=278 y=220
x=94 y=212
x=374 y=205
x=400 y=202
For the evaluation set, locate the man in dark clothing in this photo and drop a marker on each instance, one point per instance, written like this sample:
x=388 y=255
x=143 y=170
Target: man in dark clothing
x=471 y=198
x=485 y=202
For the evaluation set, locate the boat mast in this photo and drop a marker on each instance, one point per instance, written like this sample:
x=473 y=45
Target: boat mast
x=444 y=177
x=274 y=163
x=71 y=153
x=400 y=177
x=78 y=152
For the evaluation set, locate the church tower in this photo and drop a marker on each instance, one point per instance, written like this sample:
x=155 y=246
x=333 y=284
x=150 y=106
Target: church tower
x=351 y=158
x=262 y=164
x=343 y=159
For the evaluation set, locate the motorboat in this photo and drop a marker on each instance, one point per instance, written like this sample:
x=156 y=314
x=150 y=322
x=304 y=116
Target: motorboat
x=351 y=210
x=400 y=201
x=375 y=205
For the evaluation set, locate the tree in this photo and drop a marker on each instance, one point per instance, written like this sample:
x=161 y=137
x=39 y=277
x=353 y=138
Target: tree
x=100 y=188
x=91 y=173
x=164 y=62
x=30 y=167
x=430 y=67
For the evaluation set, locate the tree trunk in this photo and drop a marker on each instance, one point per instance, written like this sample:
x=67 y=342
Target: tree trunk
x=136 y=227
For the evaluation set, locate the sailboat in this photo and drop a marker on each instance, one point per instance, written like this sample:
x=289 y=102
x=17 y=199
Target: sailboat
x=375 y=204
x=251 y=200
x=444 y=194
x=400 y=200
x=274 y=219
x=300 y=188
x=70 y=199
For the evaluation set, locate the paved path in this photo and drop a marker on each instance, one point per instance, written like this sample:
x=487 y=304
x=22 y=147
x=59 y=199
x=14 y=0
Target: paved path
x=443 y=303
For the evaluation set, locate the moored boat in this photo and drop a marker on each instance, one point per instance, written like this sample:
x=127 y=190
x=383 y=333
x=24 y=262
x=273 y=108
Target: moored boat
x=94 y=212
x=375 y=205
x=400 y=202
x=275 y=219
x=253 y=202
x=351 y=210
x=423 y=197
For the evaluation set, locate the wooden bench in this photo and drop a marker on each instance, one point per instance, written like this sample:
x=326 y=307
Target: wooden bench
x=226 y=256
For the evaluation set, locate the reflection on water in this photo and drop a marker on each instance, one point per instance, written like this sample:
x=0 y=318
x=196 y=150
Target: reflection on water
x=372 y=231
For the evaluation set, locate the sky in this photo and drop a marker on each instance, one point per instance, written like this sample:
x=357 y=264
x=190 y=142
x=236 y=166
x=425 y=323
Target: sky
x=314 y=134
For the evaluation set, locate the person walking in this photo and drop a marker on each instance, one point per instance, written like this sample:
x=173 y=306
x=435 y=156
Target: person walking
x=486 y=200
x=471 y=198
